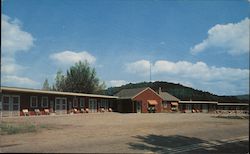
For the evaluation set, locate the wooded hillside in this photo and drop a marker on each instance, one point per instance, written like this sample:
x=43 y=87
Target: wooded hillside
x=180 y=91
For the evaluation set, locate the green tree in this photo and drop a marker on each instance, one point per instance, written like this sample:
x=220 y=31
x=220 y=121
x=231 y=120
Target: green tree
x=59 y=81
x=80 y=78
x=46 y=85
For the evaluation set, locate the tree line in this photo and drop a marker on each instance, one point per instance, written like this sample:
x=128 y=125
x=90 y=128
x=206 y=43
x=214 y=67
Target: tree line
x=180 y=91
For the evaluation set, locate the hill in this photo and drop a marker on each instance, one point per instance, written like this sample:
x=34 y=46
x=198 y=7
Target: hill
x=180 y=91
x=244 y=97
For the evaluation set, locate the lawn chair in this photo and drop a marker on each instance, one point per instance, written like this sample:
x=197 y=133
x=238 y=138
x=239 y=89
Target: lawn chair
x=76 y=111
x=38 y=112
x=86 y=110
x=82 y=111
x=110 y=110
x=102 y=109
x=46 y=111
x=25 y=112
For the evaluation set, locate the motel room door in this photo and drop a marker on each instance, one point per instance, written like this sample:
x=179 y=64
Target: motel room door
x=61 y=105
x=92 y=105
x=138 y=107
x=188 y=108
x=10 y=105
x=205 y=108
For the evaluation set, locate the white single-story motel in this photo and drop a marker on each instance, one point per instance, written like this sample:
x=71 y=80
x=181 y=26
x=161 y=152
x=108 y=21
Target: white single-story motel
x=22 y=101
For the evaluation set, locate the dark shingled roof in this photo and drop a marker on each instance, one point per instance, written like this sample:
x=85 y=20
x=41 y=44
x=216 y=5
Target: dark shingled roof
x=129 y=93
x=168 y=97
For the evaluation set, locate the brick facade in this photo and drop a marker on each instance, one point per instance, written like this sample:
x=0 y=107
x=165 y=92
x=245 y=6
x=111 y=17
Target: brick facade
x=146 y=95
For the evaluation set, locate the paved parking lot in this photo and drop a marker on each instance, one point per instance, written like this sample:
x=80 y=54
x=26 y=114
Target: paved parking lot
x=130 y=133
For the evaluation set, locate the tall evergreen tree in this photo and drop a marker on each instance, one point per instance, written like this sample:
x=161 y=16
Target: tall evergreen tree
x=59 y=81
x=46 y=85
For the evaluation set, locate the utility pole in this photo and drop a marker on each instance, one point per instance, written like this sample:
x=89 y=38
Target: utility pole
x=149 y=71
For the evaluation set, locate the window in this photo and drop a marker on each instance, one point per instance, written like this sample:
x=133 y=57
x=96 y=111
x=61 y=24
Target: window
x=165 y=104
x=45 y=102
x=33 y=101
x=6 y=100
x=82 y=102
x=92 y=101
x=75 y=102
x=15 y=103
x=64 y=104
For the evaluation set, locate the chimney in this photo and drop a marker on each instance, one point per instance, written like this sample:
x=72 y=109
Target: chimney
x=160 y=90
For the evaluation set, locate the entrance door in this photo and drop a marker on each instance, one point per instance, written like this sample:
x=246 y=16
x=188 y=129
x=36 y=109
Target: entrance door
x=188 y=108
x=11 y=105
x=138 y=107
x=70 y=106
x=205 y=108
x=52 y=105
x=61 y=105
x=92 y=105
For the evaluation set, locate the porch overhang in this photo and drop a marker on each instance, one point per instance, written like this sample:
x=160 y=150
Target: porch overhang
x=152 y=102
x=174 y=103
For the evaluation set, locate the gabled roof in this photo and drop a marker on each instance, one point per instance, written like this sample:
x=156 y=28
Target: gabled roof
x=129 y=93
x=168 y=97
x=14 y=89
x=132 y=93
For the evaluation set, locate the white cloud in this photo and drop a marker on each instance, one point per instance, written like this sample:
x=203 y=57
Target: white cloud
x=231 y=37
x=13 y=37
x=197 y=74
x=71 y=57
x=116 y=83
x=198 y=70
x=13 y=40
x=19 y=81
x=138 y=67
x=9 y=66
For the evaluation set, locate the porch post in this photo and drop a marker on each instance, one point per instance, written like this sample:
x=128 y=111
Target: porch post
x=1 y=106
x=133 y=109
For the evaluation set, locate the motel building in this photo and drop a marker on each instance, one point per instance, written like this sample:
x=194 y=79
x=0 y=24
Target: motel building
x=138 y=100
x=18 y=101
x=197 y=106
x=232 y=107
x=170 y=103
x=22 y=101
x=211 y=107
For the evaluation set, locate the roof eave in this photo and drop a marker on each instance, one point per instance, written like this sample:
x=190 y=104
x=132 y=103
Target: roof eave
x=145 y=90
x=55 y=92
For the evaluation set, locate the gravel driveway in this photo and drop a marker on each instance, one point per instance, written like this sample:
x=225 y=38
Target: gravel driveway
x=129 y=133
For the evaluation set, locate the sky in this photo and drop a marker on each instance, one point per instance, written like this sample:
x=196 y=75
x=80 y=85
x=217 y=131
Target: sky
x=197 y=43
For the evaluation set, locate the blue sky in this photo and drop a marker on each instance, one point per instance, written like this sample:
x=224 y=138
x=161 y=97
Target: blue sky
x=202 y=44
